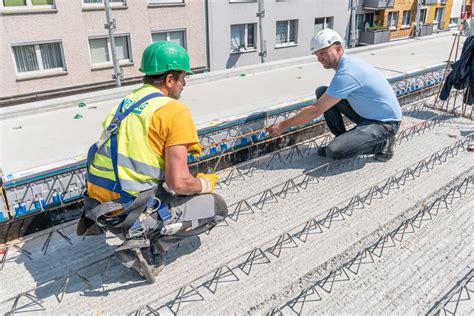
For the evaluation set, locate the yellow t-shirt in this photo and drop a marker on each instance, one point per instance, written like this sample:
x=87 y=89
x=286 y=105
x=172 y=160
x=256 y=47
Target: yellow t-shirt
x=171 y=125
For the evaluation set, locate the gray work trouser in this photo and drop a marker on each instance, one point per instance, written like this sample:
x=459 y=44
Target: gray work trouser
x=368 y=137
x=197 y=213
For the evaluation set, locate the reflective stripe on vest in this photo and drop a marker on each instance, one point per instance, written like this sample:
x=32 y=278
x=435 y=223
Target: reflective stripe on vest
x=139 y=167
x=127 y=162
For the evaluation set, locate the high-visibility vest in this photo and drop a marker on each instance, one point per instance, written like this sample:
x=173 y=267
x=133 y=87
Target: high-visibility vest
x=138 y=168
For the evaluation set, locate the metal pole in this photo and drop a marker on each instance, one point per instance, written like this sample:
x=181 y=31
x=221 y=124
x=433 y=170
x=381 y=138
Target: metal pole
x=110 y=26
x=261 y=15
x=418 y=23
x=353 y=26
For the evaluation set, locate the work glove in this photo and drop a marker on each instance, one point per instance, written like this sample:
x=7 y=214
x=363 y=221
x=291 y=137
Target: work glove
x=208 y=182
x=195 y=150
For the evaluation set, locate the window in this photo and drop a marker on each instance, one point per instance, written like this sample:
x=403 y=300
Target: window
x=286 y=32
x=28 y=3
x=423 y=16
x=392 y=20
x=165 y=1
x=101 y=52
x=453 y=21
x=39 y=57
x=100 y=3
x=406 y=19
x=359 y=22
x=322 y=23
x=369 y=19
x=438 y=15
x=364 y=21
x=243 y=37
x=179 y=37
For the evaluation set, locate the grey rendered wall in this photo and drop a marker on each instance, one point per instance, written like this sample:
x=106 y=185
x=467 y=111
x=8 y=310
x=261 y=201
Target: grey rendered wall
x=71 y=24
x=223 y=14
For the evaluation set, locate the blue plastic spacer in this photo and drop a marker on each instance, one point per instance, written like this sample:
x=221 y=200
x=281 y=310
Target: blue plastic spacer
x=254 y=138
x=223 y=147
x=57 y=198
x=213 y=150
x=20 y=210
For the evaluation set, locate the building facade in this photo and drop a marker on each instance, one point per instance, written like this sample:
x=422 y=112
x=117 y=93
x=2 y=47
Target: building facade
x=54 y=44
x=240 y=35
x=51 y=45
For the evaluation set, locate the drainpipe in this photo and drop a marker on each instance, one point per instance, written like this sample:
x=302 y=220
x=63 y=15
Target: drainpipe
x=353 y=26
x=208 y=45
x=110 y=26
x=418 y=23
x=263 y=43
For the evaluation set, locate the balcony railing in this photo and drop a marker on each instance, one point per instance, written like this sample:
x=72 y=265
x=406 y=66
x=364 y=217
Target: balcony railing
x=378 y=4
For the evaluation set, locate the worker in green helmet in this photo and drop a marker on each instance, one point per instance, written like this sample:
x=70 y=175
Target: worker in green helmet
x=139 y=186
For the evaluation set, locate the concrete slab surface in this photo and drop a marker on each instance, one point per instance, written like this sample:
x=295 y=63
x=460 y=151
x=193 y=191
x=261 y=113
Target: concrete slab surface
x=407 y=279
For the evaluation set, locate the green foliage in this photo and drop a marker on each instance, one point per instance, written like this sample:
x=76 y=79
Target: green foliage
x=377 y=27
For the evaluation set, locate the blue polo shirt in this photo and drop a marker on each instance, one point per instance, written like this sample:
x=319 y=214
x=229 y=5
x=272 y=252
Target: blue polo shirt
x=368 y=92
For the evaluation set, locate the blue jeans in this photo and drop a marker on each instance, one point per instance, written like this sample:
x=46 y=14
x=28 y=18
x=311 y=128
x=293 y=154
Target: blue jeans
x=368 y=137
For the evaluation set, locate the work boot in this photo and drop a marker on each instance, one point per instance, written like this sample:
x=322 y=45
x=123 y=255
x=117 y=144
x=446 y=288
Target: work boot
x=146 y=263
x=322 y=151
x=387 y=151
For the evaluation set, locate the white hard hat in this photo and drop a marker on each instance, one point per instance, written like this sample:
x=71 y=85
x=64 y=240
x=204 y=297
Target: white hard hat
x=323 y=39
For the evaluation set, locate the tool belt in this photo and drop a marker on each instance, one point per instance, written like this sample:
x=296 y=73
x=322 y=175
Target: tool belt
x=114 y=217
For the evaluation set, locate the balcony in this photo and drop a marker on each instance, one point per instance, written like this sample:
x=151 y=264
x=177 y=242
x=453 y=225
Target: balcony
x=378 y=4
x=426 y=29
x=371 y=37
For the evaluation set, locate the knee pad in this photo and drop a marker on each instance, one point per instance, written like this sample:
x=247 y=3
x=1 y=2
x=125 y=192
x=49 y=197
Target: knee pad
x=220 y=206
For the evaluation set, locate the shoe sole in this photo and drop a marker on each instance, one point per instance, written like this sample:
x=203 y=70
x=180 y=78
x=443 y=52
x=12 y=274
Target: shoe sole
x=146 y=270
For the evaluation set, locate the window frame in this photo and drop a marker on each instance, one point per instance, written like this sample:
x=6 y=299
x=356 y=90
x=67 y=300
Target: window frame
x=288 y=43
x=41 y=71
x=403 y=25
x=246 y=47
x=165 y=3
x=423 y=21
x=108 y=64
x=436 y=13
x=389 y=20
x=121 y=4
x=185 y=37
x=28 y=7
x=326 y=20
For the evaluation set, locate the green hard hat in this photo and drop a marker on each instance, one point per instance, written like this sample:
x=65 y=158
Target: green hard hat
x=163 y=56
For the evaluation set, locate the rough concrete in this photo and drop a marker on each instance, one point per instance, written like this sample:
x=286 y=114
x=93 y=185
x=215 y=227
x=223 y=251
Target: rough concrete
x=264 y=286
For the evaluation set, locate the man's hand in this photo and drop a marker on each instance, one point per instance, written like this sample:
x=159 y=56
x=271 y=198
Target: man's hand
x=208 y=182
x=276 y=130
x=307 y=114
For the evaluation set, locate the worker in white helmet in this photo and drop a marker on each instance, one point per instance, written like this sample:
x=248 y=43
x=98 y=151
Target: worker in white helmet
x=361 y=93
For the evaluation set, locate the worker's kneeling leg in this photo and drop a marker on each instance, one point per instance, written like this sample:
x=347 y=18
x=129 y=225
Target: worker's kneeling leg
x=336 y=150
x=198 y=214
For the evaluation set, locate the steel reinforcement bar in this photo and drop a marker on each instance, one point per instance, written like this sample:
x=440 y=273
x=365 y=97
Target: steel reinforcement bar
x=342 y=273
x=291 y=152
x=258 y=254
